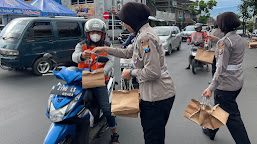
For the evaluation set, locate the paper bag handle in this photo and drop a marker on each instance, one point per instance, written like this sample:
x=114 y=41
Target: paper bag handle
x=206 y=101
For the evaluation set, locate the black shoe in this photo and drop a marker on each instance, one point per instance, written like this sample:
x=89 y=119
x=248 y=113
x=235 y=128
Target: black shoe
x=255 y=67
x=187 y=68
x=115 y=138
x=211 y=134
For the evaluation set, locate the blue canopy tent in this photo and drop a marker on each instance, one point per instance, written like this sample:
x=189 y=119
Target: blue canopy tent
x=10 y=9
x=18 y=7
x=51 y=8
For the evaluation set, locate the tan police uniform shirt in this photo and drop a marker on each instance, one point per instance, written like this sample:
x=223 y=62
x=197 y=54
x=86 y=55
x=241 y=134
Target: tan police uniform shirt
x=155 y=82
x=229 y=54
x=216 y=32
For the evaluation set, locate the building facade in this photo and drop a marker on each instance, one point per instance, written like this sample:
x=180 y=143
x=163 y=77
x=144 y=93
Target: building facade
x=96 y=8
x=178 y=10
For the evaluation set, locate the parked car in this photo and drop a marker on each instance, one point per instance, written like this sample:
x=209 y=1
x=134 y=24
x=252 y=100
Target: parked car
x=1 y=27
x=254 y=33
x=170 y=37
x=240 y=32
x=187 y=32
x=24 y=41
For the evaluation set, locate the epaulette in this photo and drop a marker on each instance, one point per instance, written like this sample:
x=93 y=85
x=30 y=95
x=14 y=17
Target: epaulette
x=229 y=41
x=152 y=35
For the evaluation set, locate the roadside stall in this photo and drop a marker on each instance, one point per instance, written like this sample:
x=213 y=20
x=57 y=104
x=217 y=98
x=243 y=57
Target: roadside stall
x=252 y=43
x=10 y=9
x=51 y=8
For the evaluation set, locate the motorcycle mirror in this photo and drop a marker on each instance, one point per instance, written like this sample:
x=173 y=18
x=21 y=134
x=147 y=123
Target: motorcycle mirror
x=102 y=59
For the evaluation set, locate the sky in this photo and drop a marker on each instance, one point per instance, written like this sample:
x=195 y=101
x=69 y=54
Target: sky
x=224 y=6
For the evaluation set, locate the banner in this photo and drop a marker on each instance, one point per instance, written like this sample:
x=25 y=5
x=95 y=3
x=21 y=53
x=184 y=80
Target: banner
x=19 y=11
x=84 y=10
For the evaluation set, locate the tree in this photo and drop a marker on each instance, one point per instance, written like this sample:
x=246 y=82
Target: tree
x=244 y=13
x=250 y=26
x=248 y=10
x=202 y=8
x=253 y=5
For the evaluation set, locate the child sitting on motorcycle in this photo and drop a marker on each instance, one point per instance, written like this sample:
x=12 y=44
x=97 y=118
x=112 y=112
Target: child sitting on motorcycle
x=198 y=36
x=96 y=31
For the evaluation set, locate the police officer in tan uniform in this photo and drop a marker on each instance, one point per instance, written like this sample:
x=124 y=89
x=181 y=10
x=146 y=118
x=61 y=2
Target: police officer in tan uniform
x=228 y=78
x=213 y=44
x=157 y=90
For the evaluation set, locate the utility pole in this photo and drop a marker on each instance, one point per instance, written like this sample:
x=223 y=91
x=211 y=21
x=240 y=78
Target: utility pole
x=113 y=8
x=254 y=19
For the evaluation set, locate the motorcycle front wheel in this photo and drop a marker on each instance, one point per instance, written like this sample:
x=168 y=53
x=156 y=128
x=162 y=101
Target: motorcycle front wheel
x=194 y=66
x=67 y=140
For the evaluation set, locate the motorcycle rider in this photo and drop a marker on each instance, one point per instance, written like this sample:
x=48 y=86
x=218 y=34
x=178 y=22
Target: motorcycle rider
x=96 y=31
x=198 y=36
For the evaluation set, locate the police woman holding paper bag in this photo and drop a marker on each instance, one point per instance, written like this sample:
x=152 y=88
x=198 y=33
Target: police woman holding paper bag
x=157 y=90
x=228 y=78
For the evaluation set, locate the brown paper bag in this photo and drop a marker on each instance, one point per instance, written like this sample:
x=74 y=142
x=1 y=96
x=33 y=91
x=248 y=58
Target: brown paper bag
x=252 y=44
x=125 y=103
x=93 y=79
x=205 y=56
x=205 y=116
x=254 y=38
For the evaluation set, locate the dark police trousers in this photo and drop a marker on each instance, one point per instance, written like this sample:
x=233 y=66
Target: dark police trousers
x=154 y=116
x=213 y=66
x=227 y=101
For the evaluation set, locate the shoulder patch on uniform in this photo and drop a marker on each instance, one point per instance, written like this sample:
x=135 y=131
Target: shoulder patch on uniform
x=221 y=48
x=145 y=45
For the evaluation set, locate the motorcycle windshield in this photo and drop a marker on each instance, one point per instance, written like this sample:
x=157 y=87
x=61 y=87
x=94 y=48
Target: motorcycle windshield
x=68 y=74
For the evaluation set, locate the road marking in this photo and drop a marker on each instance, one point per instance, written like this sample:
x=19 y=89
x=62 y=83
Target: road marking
x=48 y=74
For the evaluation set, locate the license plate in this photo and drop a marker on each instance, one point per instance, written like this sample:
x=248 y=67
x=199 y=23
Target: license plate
x=63 y=90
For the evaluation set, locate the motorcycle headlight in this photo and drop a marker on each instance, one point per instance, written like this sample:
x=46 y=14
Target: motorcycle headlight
x=73 y=103
x=57 y=115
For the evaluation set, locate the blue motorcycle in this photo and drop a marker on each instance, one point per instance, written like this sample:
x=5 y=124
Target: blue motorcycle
x=74 y=111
